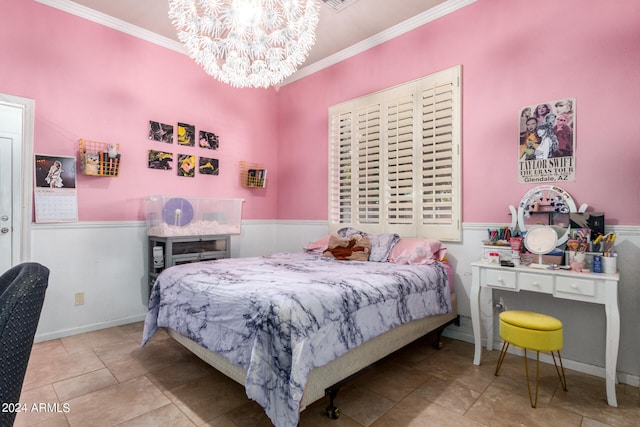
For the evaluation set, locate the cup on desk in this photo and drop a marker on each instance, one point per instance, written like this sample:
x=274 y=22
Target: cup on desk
x=610 y=264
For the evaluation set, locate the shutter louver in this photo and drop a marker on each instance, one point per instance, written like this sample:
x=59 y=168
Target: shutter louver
x=340 y=187
x=400 y=162
x=369 y=164
x=437 y=152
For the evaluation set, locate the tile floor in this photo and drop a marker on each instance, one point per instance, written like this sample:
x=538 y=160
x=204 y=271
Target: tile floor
x=105 y=378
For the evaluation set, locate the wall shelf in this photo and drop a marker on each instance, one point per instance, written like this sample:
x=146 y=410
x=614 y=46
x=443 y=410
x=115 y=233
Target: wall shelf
x=99 y=158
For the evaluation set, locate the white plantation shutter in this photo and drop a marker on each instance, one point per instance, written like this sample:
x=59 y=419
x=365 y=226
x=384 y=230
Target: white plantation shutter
x=394 y=160
x=369 y=160
x=340 y=179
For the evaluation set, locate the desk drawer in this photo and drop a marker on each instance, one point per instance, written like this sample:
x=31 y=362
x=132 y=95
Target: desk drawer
x=536 y=283
x=576 y=286
x=501 y=279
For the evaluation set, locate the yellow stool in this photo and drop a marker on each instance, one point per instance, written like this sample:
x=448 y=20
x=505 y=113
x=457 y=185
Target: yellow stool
x=533 y=331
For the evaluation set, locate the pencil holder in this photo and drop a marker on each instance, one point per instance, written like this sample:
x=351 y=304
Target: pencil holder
x=610 y=264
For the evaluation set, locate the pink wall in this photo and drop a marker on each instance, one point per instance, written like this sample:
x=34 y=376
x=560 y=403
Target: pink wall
x=92 y=82
x=513 y=54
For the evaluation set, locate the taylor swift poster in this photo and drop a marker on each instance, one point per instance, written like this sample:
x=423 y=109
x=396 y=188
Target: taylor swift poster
x=547 y=146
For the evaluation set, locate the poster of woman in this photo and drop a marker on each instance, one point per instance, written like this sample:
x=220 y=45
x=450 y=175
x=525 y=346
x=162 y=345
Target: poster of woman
x=547 y=145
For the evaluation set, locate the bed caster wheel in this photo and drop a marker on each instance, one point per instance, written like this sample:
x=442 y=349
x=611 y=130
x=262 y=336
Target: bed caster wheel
x=332 y=412
x=437 y=344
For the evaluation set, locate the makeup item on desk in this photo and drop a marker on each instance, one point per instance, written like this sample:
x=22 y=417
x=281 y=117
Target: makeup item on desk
x=494 y=258
x=597 y=264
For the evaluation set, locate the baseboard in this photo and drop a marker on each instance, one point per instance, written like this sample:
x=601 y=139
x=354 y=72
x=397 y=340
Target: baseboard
x=463 y=334
x=89 y=328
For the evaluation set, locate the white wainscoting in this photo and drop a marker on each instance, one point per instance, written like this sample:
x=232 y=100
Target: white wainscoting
x=107 y=262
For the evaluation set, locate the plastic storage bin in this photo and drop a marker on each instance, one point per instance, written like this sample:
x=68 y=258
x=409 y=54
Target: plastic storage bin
x=192 y=216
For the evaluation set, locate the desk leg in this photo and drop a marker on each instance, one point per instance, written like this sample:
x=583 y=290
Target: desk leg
x=613 y=340
x=474 y=300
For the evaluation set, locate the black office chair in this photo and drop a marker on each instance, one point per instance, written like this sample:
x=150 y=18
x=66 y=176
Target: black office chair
x=22 y=290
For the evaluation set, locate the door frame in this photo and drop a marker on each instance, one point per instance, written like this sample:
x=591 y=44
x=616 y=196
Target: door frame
x=22 y=179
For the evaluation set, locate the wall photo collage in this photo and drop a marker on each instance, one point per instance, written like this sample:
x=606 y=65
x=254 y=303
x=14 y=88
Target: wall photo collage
x=186 y=137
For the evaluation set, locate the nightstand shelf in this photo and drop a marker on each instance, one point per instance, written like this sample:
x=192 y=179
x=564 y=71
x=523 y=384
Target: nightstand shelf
x=185 y=249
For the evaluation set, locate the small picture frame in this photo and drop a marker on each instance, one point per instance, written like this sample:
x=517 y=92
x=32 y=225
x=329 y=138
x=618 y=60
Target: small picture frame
x=160 y=132
x=208 y=140
x=186 y=135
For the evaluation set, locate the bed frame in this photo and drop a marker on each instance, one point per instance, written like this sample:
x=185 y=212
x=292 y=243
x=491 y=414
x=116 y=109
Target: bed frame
x=326 y=380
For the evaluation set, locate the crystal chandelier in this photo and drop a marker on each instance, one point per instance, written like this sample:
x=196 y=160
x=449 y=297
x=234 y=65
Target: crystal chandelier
x=246 y=43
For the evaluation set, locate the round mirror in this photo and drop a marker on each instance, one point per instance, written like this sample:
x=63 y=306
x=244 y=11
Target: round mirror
x=541 y=240
x=546 y=205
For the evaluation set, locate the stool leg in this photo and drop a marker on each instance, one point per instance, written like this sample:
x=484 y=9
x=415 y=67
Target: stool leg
x=503 y=353
x=534 y=402
x=563 y=379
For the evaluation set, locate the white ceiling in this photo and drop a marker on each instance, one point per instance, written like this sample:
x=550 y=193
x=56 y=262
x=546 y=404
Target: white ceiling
x=357 y=27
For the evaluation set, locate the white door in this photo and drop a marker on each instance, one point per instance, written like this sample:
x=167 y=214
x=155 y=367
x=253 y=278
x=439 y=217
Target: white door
x=6 y=216
x=16 y=157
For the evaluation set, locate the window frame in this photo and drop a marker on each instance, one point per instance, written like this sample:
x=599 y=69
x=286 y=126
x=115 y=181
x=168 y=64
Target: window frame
x=395 y=159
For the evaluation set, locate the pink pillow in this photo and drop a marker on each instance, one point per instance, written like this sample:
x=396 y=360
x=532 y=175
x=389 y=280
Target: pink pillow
x=319 y=245
x=414 y=250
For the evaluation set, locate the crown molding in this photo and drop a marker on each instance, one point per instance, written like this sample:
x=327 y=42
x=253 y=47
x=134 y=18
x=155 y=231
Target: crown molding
x=386 y=35
x=114 y=23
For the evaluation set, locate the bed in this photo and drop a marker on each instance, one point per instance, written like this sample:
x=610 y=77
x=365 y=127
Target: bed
x=290 y=327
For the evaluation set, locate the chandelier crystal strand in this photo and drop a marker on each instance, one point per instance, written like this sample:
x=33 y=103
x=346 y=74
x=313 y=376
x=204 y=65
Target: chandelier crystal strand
x=246 y=43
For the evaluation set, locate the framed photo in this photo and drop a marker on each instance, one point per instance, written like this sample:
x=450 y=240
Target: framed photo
x=160 y=132
x=208 y=166
x=186 y=165
x=160 y=160
x=186 y=134
x=208 y=140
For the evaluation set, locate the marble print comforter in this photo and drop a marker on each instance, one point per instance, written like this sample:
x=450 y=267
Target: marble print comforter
x=280 y=316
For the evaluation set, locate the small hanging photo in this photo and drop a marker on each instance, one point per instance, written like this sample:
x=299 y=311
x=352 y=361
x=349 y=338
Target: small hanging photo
x=160 y=160
x=186 y=134
x=186 y=165
x=160 y=132
x=208 y=166
x=209 y=140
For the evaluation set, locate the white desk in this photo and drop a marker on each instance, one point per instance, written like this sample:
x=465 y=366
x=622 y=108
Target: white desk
x=595 y=288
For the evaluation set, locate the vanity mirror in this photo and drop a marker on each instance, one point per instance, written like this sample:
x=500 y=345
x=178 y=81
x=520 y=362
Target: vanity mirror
x=541 y=240
x=546 y=205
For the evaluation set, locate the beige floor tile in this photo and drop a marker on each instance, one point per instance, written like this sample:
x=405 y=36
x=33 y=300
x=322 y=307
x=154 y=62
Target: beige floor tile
x=208 y=397
x=499 y=407
x=589 y=398
x=416 y=412
x=362 y=405
x=59 y=366
x=116 y=404
x=315 y=416
x=249 y=414
x=392 y=380
x=40 y=406
x=93 y=339
x=107 y=379
x=177 y=374
x=127 y=359
x=168 y=415
x=588 y=422
x=83 y=384
x=133 y=330
x=452 y=395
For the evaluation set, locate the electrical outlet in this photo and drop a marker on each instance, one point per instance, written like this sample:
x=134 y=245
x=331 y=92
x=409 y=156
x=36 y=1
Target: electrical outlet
x=79 y=298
